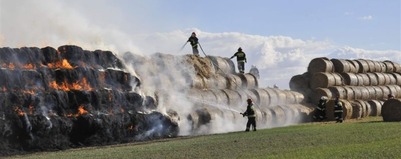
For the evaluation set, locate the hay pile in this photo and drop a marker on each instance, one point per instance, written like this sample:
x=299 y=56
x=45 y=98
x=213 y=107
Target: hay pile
x=352 y=80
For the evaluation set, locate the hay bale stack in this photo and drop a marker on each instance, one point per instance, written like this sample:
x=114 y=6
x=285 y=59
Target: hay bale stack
x=391 y=110
x=342 y=66
x=321 y=64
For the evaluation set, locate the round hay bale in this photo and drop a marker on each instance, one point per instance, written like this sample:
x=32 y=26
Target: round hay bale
x=395 y=90
x=266 y=117
x=357 y=109
x=341 y=66
x=397 y=77
x=389 y=66
x=365 y=79
x=203 y=66
x=319 y=92
x=360 y=80
x=391 y=110
x=381 y=80
x=378 y=92
x=373 y=81
x=371 y=64
x=354 y=66
x=383 y=67
x=281 y=97
x=222 y=100
x=363 y=66
x=391 y=78
x=385 y=91
x=377 y=66
x=349 y=93
x=376 y=107
x=197 y=82
x=234 y=82
x=274 y=97
x=234 y=98
x=216 y=81
x=350 y=79
x=321 y=64
x=366 y=110
x=357 y=92
x=278 y=115
x=249 y=80
x=365 y=94
x=222 y=65
x=299 y=83
x=347 y=109
x=294 y=97
x=249 y=95
x=263 y=98
x=397 y=67
x=324 y=80
x=372 y=92
x=338 y=91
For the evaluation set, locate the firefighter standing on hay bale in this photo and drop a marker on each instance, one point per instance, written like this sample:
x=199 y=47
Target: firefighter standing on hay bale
x=338 y=110
x=250 y=112
x=241 y=60
x=320 y=111
x=193 y=40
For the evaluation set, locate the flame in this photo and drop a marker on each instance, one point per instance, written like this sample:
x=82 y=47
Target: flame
x=61 y=64
x=81 y=111
x=28 y=91
x=79 y=85
x=28 y=66
x=19 y=111
x=10 y=66
x=31 y=109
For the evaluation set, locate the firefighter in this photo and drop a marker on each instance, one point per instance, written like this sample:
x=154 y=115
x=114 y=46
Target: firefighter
x=250 y=113
x=241 y=59
x=338 y=110
x=254 y=71
x=193 y=40
x=320 y=111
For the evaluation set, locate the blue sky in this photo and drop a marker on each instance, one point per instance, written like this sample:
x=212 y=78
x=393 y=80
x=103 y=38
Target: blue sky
x=280 y=37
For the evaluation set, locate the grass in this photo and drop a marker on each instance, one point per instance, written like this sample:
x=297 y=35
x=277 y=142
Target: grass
x=367 y=138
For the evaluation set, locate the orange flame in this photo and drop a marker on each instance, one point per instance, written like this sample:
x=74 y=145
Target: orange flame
x=60 y=64
x=28 y=66
x=81 y=111
x=10 y=66
x=79 y=85
x=30 y=109
x=19 y=111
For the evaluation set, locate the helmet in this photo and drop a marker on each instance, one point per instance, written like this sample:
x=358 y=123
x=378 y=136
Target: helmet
x=239 y=49
x=193 y=33
x=249 y=100
x=323 y=98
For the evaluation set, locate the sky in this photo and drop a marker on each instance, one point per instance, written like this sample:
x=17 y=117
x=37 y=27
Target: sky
x=280 y=37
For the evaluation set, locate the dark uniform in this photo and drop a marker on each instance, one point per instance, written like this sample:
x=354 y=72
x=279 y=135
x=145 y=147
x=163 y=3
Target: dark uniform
x=241 y=60
x=250 y=112
x=193 y=40
x=254 y=71
x=320 y=111
x=338 y=111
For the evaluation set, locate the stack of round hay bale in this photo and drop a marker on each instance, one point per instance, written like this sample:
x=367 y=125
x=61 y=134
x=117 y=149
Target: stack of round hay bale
x=363 y=85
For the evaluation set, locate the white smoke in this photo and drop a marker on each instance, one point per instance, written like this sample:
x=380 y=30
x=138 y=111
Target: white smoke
x=43 y=23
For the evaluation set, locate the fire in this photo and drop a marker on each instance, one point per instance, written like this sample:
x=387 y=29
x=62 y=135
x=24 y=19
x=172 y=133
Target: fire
x=29 y=91
x=28 y=66
x=79 y=85
x=31 y=109
x=19 y=111
x=60 y=64
x=10 y=66
x=81 y=111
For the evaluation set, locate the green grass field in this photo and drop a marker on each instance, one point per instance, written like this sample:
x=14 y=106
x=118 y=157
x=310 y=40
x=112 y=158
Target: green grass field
x=367 y=138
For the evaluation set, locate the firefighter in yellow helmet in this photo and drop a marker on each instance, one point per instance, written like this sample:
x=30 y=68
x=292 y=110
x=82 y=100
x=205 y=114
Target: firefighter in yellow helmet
x=250 y=113
x=320 y=111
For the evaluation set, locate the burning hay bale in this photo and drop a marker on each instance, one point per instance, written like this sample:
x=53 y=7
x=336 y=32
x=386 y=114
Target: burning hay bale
x=70 y=97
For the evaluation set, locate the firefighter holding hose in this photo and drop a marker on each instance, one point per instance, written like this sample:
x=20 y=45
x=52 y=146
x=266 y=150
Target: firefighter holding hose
x=250 y=113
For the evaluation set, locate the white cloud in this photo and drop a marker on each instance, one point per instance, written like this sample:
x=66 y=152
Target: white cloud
x=366 y=18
